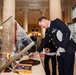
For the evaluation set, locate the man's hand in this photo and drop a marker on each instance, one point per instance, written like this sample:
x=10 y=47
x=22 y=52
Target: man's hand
x=47 y=50
x=33 y=54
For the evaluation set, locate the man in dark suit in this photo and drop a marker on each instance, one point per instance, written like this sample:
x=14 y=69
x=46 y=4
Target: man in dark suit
x=50 y=54
x=60 y=36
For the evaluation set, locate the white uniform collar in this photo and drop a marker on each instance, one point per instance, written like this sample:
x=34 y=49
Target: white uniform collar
x=49 y=24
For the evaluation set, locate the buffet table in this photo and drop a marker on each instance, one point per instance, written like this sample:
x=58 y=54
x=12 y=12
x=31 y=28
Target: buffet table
x=36 y=70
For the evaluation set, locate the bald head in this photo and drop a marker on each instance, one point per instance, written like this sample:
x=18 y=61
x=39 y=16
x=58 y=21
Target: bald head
x=41 y=18
x=43 y=22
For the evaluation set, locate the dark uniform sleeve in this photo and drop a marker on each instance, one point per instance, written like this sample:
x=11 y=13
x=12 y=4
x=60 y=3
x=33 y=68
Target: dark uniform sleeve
x=43 y=43
x=66 y=33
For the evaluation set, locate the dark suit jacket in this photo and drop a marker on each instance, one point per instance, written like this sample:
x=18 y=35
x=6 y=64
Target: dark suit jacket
x=50 y=44
x=67 y=44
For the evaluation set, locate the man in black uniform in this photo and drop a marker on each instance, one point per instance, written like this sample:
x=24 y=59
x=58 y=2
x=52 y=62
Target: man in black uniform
x=50 y=53
x=35 y=39
x=60 y=36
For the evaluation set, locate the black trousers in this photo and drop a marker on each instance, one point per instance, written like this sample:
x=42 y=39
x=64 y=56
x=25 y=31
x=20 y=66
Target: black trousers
x=46 y=64
x=66 y=64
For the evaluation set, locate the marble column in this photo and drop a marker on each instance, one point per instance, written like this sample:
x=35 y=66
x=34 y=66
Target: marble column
x=8 y=27
x=0 y=22
x=0 y=15
x=25 y=26
x=43 y=14
x=55 y=9
x=8 y=9
x=68 y=14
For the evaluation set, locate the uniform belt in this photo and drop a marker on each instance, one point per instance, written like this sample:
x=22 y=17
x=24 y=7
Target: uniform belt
x=51 y=54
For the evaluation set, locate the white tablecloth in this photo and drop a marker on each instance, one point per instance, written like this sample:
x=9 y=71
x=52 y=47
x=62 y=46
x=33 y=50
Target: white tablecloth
x=36 y=70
